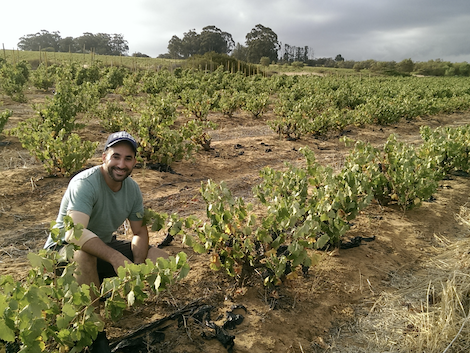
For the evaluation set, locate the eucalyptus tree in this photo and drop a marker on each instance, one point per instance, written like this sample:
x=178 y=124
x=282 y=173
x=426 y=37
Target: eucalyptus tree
x=43 y=40
x=262 y=41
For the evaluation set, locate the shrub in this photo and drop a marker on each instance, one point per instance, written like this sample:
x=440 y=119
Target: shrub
x=13 y=80
x=61 y=153
x=43 y=77
x=447 y=148
x=396 y=173
x=229 y=102
x=256 y=104
x=51 y=312
x=197 y=103
x=159 y=142
x=112 y=116
x=4 y=116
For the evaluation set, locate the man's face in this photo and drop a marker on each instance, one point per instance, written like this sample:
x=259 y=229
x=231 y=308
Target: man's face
x=118 y=161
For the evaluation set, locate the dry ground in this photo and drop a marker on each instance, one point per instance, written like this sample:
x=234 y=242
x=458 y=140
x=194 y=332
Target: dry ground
x=306 y=315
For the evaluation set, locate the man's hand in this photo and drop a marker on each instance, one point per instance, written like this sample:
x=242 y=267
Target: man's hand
x=99 y=249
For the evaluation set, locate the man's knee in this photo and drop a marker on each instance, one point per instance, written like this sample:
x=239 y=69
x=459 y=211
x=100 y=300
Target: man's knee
x=154 y=253
x=84 y=259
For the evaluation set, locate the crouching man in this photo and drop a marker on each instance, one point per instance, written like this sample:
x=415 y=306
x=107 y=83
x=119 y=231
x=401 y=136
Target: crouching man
x=101 y=199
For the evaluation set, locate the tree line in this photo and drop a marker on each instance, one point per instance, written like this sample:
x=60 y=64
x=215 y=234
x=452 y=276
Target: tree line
x=261 y=47
x=435 y=67
x=260 y=42
x=100 y=43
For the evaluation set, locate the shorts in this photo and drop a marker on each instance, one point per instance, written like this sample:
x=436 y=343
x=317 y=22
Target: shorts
x=105 y=269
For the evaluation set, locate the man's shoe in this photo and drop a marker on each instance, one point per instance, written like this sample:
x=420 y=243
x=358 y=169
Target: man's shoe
x=100 y=344
x=167 y=241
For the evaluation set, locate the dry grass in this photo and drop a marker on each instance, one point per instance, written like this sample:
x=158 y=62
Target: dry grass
x=9 y=160
x=425 y=311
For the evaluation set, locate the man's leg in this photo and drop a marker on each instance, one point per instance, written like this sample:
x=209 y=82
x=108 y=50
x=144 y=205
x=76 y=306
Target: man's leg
x=154 y=253
x=87 y=272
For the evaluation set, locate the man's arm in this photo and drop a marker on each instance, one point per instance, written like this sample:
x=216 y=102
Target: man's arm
x=92 y=244
x=98 y=248
x=140 y=241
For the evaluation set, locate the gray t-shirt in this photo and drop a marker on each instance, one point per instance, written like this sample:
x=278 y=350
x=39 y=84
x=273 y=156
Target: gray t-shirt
x=88 y=192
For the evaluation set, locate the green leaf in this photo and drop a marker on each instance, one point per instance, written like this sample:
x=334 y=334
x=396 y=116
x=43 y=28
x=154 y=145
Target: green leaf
x=175 y=228
x=184 y=271
x=199 y=248
x=6 y=333
x=69 y=310
x=158 y=223
x=4 y=303
x=35 y=260
x=322 y=241
x=62 y=322
x=181 y=258
x=122 y=272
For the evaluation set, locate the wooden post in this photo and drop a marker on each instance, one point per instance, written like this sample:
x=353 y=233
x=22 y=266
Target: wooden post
x=4 y=52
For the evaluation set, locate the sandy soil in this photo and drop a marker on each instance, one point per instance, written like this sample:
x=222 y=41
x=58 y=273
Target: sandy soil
x=303 y=315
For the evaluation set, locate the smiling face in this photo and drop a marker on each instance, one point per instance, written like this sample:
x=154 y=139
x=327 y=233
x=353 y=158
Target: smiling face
x=118 y=162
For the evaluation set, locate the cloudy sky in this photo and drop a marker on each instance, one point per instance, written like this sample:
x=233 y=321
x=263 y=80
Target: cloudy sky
x=382 y=30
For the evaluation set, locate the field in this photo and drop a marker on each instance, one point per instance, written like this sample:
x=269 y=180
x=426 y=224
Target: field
x=383 y=295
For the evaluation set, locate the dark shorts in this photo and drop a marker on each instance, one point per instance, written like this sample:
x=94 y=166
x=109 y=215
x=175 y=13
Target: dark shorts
x=105 y=269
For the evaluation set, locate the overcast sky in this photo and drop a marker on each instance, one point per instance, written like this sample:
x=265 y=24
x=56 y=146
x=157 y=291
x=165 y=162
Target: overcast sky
x=382 y=30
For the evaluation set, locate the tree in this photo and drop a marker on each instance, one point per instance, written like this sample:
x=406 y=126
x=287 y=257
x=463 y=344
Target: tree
x=463 y=68
x=102 y=43
x=293 y=53
x=175 y=48
x=68 y=44
x=383 y=66
x=42 y=40
x=118 y=45
x=325 y=62
x=240 y=52
x=262 y=41
x=265 y=61
x=405 y=66
x=339 y=58
x=140 y=55
x=213 y=39
x=191 y=43
x=87 y=42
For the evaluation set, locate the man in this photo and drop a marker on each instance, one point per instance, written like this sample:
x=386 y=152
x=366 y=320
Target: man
x=101 y=199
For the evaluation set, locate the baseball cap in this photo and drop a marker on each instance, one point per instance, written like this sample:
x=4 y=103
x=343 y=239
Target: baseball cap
x=119 y=137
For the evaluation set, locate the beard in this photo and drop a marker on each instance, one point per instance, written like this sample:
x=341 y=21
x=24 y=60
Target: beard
x=118 y=174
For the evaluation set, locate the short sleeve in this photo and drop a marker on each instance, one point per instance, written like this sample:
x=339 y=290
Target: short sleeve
x=81 y=196
x=138 y=207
